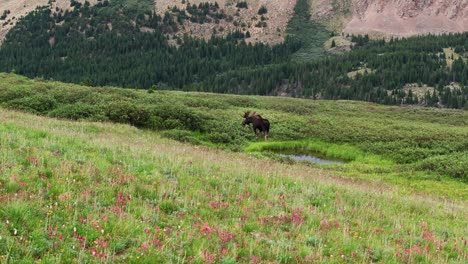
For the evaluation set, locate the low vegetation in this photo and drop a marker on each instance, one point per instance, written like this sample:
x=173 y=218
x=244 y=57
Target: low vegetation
x=390 y=144
x=110 y=193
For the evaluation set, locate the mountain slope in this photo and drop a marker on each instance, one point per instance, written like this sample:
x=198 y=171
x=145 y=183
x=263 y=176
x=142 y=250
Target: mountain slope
x=101 y=192
x=400 y=18
x=273 y=25
x=19 y=8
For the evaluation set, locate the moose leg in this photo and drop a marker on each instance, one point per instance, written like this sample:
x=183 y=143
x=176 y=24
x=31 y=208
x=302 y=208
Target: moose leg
x=266 y=136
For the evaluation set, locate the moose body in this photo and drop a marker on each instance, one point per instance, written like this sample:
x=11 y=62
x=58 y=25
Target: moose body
x=258 y=123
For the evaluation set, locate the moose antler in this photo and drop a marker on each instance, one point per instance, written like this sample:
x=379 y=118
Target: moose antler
x=252 y=114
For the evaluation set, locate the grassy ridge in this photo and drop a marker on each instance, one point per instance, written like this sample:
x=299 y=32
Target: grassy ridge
x=421 y=147
x=311 y=34
x=94 y=192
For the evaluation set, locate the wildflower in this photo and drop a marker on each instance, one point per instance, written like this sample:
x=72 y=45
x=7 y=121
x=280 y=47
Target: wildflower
x=226 y=236
x=157 y=243
x=143 y=247
x=416 y=249
x=254 y=259
x=208 y=258
x=336 y=224
x=32 y=160
x=296 y=218
x=223 y=251
x=206 y=229
x=428 y=236
x=324 y=225
x=217 y=205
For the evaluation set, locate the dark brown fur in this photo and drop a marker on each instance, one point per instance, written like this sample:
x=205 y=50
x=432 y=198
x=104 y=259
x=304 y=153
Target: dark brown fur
x=259 y=123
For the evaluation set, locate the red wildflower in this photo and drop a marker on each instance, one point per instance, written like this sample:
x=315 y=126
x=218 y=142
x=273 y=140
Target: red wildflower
x=208 y=258
x=254 y=259
x=296 y=218
x=206 y=229
x=324 y=225
x=32 y=160
x=226 y=236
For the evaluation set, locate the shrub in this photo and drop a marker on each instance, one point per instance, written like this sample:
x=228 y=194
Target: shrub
x=242 y=4
x=454 y=165
x=35 y=104
x=181 y=135
x=263 y=10
x=128 y=112
x=176 y=116
x=79 y=111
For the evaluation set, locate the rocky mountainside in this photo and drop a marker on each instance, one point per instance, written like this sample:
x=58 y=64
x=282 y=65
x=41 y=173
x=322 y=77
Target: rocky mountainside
x=399 y=18
x=393 y=17
x=266 y=26
x=12 y=10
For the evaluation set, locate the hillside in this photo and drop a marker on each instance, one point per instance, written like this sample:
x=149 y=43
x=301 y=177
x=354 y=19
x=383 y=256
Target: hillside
x=13 y=10
x=271 y=30
x=392 y=18
x=266 y=28
x=124 y=44
x=102 y=192
x=376 y=17
x=390 y=144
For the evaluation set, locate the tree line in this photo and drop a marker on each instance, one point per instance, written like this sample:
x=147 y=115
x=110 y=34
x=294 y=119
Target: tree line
x=109 y=44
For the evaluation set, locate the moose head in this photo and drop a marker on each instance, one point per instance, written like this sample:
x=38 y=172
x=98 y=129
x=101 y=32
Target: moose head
x=259 y=123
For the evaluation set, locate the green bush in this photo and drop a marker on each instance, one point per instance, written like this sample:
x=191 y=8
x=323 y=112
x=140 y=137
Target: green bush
x=176 y=116
x=181 y=135
x=79 y=111
x=454 y=165
x=36 y=104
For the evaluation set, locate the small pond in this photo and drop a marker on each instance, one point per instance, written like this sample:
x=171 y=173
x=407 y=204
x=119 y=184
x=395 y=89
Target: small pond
x=310 y=158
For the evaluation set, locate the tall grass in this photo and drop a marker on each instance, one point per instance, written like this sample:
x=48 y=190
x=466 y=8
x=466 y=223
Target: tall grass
x=424 y=144
x=97 y=192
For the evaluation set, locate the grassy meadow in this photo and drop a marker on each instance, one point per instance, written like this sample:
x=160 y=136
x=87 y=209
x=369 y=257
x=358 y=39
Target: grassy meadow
x=97 y=192
x=421 y=150
x=110 y=175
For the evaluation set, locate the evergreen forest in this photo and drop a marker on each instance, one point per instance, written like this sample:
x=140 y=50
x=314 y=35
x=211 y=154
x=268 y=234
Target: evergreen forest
x=118 y=44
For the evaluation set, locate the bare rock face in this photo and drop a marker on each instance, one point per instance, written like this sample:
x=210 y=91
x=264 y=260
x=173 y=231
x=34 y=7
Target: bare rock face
x=398 y=18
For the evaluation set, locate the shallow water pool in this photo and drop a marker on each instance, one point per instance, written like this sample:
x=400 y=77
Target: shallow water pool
x=311 y=158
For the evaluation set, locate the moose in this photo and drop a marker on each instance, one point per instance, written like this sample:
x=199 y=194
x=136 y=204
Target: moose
x=259 y=123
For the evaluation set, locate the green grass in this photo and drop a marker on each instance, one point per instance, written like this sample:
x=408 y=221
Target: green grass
x=310 y=33
x=102 y=192
x=343 y=152
x=422 y=150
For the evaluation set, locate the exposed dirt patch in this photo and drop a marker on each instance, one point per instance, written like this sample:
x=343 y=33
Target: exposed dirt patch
x=417 y=90
x=451 y=56
x=338 y=44
x=362 y=71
